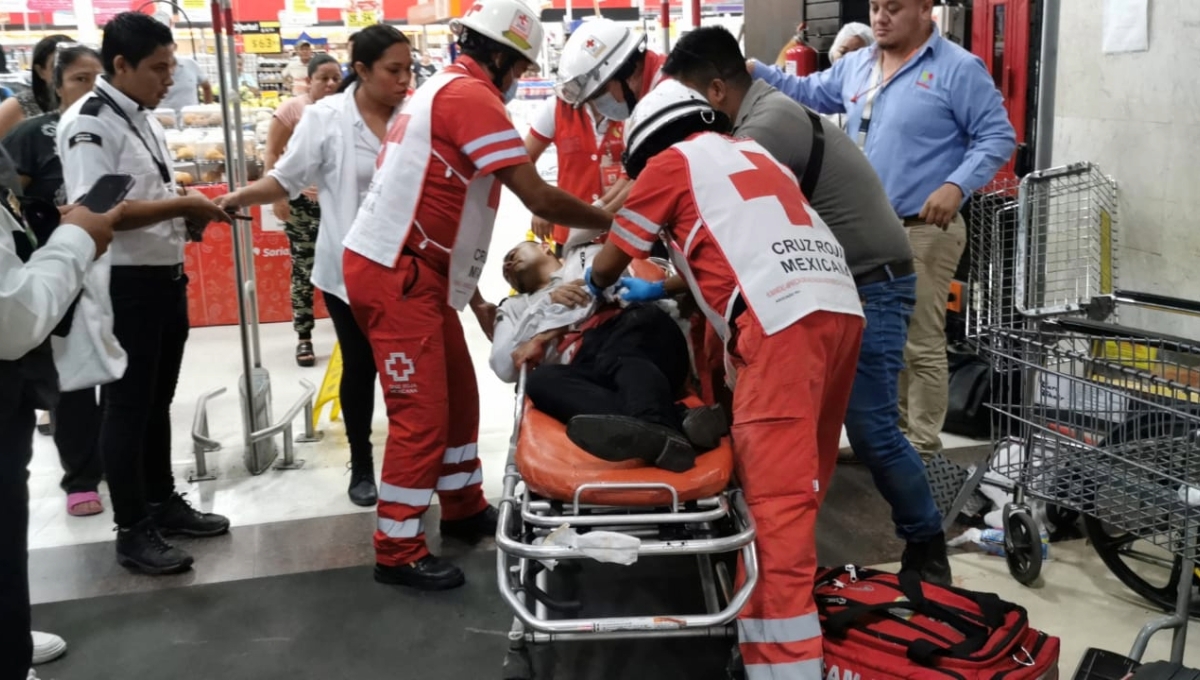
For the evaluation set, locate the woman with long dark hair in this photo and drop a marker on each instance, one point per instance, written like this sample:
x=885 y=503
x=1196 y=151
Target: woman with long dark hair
x=41 y=98
x=35 y=155
x=335 y=147
x=301 y=216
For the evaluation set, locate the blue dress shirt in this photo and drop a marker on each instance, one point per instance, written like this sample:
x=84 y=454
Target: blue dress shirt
x=939 y=119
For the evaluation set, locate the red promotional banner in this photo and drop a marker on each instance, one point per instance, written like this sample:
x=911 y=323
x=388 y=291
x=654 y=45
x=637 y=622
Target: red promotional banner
x=106 y=9
x=212 y=284
x=49 y=6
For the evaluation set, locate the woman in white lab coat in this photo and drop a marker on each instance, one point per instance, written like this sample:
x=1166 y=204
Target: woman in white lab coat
x=334 y=147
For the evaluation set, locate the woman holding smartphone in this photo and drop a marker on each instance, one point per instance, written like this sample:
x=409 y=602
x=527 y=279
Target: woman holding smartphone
x=335 y=147
x=35 y=155
x=301 y=215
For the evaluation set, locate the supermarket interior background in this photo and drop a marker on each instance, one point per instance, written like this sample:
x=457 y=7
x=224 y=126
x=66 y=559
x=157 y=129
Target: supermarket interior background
x=288 y=592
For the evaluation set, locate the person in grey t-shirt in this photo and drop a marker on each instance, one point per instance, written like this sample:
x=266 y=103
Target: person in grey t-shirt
x=189 y=81
x=850 y=198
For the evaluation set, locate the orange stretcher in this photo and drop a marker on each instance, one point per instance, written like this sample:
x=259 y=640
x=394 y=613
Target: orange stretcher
x=549 y=482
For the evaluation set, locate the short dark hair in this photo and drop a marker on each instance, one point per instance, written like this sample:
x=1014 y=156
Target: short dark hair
x=708 y=53
x=369 y=47
x=318 y=61
x=132 y=35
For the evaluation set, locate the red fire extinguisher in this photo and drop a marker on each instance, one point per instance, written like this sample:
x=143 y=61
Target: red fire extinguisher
x=800 y=59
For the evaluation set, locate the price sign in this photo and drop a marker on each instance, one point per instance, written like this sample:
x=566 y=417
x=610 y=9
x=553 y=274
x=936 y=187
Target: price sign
x=361 y=19
x=263 y=43
x=259 y=37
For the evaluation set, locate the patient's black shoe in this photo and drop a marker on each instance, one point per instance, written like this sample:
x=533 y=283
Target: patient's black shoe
x=705 y=425
x=620 y=438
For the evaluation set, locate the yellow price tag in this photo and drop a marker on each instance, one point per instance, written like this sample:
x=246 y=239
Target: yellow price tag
x=361 y=19
x=270 y=95
x=262 y=43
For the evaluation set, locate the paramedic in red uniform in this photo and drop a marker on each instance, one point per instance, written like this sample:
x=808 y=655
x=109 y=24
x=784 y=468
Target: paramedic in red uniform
x=773 y=281
x=608 y=67
x=413 y=258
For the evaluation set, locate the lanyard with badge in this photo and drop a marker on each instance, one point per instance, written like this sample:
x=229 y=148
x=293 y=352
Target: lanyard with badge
x=877 y=83
x=163 y=171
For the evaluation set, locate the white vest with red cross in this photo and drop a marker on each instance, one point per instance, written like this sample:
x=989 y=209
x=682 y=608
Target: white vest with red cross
x=786 y=261
x=389 y=210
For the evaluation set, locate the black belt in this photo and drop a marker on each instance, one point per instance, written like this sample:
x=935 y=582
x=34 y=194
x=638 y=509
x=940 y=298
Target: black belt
x=172 y=272
x=885 y=272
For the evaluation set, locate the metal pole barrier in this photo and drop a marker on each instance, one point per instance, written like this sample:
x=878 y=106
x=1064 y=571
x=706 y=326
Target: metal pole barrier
x=1047 y=78
x=201 y=443
x=665 y=21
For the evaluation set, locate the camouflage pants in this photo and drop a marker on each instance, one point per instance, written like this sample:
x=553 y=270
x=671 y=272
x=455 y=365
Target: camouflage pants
x=301 y=230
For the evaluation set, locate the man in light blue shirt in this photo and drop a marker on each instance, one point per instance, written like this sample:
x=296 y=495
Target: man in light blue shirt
x=931 y=121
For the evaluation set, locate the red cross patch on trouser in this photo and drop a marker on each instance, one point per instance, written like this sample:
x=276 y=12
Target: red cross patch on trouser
x=431 y=396
x=791 y=397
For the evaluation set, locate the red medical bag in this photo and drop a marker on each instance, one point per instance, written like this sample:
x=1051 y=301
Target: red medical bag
x=880 y=626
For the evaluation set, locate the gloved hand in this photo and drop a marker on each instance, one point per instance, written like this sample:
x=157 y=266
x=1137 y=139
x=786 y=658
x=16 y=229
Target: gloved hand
x=631 y=289
x=598 y=293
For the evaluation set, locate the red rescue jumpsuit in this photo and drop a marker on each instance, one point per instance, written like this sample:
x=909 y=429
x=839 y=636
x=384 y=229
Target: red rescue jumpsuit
x=789 y=402
x=426 y=372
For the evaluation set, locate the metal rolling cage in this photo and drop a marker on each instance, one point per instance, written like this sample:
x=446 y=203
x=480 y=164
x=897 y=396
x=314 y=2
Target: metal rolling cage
x=259 y=430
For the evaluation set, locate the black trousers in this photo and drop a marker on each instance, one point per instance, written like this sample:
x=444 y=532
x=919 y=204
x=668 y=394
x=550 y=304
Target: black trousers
x=357 y=389
x=16 y=449
x=76 y=434
x=151 y=323
x=634 y=365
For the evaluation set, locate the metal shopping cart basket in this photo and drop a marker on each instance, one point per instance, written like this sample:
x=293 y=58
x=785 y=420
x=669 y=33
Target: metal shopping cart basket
x=1088 y=415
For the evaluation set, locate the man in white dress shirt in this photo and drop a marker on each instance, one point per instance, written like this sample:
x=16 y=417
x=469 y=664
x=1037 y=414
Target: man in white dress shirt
x=112 y=131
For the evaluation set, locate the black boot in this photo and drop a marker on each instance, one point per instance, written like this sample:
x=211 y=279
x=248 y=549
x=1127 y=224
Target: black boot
x=428 y=573
x=363 y=491
x=142 y=548
x=929 y=559
x=177 y=517
x=620 y=438
x=474 y=528
x=704 y=426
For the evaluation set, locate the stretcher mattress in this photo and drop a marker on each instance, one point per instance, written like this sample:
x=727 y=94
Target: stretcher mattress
x=553 y=467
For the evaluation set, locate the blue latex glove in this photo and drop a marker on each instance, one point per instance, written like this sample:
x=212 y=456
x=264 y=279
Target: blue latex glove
x=630 y=289
x=597 y=293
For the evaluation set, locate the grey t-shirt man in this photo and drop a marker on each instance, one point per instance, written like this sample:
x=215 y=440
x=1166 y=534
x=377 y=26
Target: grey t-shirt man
x=185 y=91
x=849 y=194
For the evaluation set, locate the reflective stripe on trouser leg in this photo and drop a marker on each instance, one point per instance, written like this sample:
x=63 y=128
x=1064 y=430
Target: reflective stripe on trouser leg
x=405 y=332
x=785 y=403
x=460 y=484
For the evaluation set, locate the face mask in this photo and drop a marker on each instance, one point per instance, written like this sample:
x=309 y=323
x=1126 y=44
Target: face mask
x=607 y=106
x=511 y=94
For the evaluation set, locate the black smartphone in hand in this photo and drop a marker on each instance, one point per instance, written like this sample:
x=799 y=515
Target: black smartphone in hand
x=107 y=192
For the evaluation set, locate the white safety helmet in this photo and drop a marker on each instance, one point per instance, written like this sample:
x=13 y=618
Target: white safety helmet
x=592 y=56
x=509 y=22
x=669 y=103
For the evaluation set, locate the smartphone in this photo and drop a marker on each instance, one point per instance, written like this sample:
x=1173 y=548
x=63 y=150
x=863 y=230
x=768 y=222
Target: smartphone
x=107 y=192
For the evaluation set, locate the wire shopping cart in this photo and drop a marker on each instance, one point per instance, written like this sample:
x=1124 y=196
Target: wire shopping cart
x=1087 y=414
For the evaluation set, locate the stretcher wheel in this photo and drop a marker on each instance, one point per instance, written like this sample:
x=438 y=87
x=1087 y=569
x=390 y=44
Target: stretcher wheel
x=518 y=664
x=1022 y=545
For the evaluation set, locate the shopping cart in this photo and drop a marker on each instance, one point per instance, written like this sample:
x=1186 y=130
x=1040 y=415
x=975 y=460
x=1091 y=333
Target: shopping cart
x=1088 y=415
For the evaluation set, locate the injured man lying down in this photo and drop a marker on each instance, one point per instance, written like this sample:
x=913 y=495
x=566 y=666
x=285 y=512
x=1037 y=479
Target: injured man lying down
x=613 y=373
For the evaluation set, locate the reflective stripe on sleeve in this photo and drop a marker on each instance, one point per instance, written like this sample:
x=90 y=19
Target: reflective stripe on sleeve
x=779 y=631
x=809 y=669
x=493 y=138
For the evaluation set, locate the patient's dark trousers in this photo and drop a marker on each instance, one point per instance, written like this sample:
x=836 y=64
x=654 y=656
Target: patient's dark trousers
x=635 y=364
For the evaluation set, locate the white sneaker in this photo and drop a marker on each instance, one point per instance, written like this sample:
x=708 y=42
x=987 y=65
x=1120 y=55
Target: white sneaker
x=47 y=648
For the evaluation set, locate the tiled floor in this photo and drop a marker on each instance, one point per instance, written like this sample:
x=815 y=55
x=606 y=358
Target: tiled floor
x=1079 y=601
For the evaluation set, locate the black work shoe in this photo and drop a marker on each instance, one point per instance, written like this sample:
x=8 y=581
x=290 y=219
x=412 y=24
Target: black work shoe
x=472 y=529
x=177 y=517
x=619 y=438
x=428 y=573
x=363 y=491
x=929 y=559
x=704 y=426
x=142 y=548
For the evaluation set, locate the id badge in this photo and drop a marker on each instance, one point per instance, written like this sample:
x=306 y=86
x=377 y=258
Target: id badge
x=610 y=171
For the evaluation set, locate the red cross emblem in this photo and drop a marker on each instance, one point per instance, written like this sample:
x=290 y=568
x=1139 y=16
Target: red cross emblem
x=767 y=180
x=591 y=44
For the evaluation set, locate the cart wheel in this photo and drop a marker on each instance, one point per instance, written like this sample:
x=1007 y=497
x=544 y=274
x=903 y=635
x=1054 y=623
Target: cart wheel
x=518 y=665
x=1022 y=545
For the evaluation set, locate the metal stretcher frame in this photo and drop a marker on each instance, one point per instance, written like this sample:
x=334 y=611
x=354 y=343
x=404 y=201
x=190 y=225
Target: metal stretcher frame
x=521 y=516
